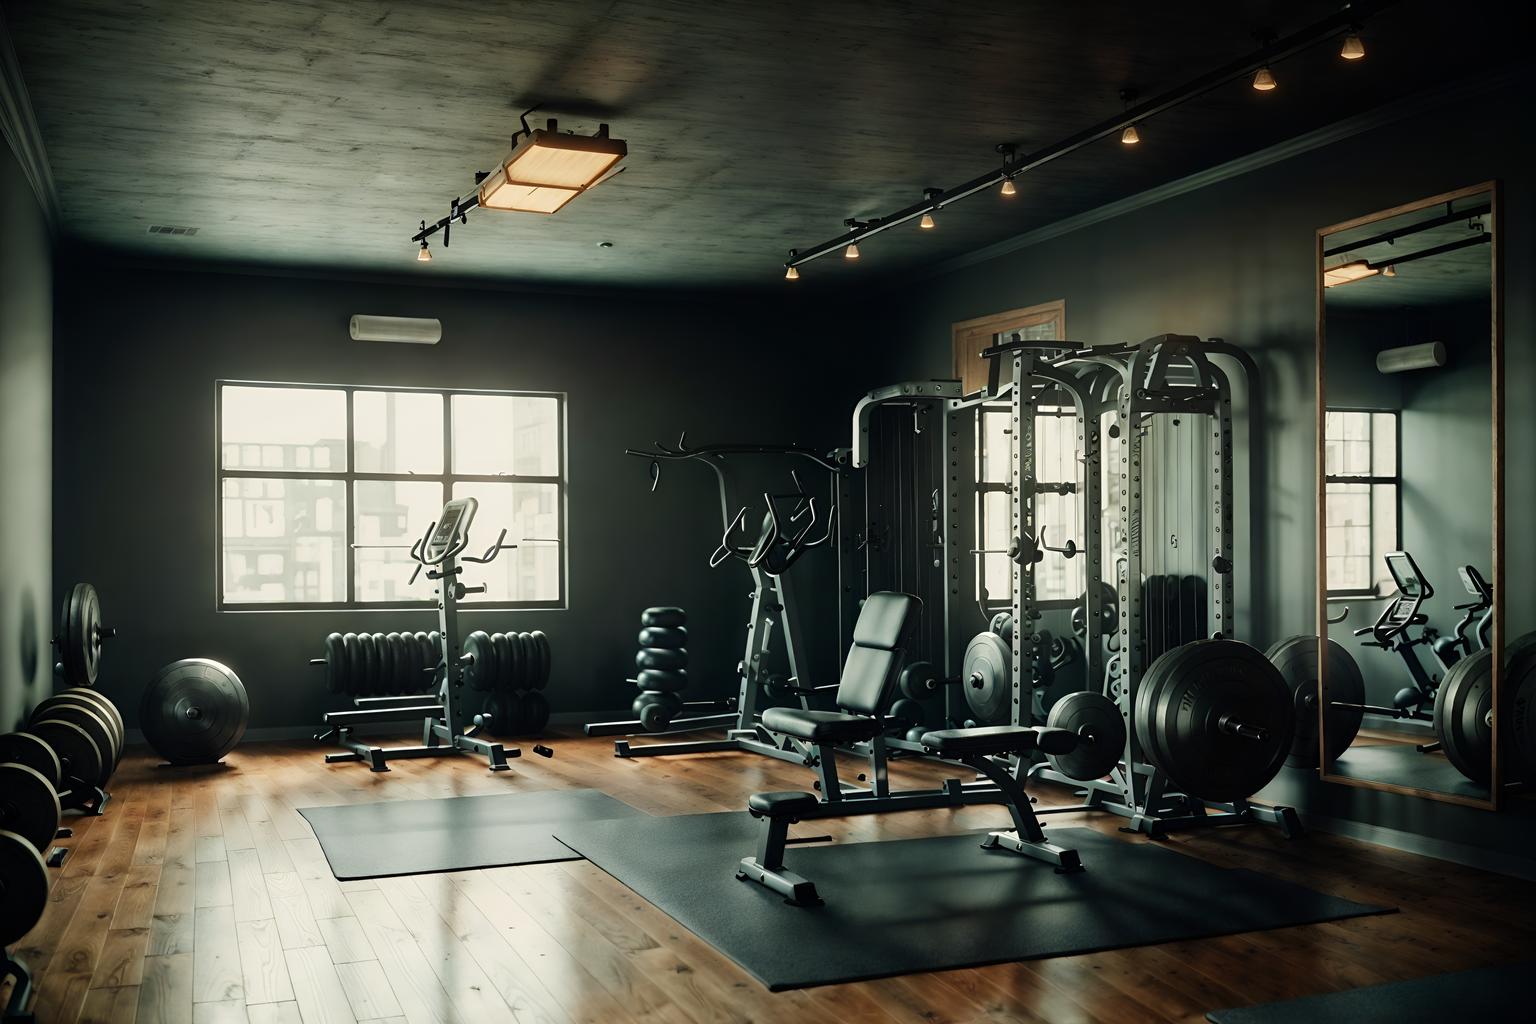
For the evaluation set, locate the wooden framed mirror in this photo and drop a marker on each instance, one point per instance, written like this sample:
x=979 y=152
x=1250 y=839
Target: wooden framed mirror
x=1410 y=498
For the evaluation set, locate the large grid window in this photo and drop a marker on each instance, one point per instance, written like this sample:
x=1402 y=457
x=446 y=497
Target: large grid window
x=1057 y=578
x=1361 y=475
x=323 y=489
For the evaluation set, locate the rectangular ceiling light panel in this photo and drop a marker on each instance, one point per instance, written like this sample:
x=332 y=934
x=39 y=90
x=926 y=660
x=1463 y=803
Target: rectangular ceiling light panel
x=1344 y=273
x=547 y=170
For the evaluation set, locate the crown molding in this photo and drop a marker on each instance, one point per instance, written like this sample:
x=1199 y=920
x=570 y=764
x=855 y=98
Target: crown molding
x=18 y=125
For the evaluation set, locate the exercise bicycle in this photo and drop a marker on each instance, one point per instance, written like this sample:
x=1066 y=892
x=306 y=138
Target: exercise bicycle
x=446 y=729
x=1451 y=649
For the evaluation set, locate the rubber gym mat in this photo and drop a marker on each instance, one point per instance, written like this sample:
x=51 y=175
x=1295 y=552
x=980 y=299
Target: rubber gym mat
x=909 y=905
x=1402 y=764
x=413 y=837
x=1484 y=994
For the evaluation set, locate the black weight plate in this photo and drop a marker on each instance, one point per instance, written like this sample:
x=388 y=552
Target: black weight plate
x=88 y=612
x=96 y=701
x=1145 y=700
x=516 y=659
x=1517 y=710
x=656 y=710
x=429 y=659
x=64 y=640
x=28 y=805
x=657 y=657
x=504 y=667
x=384 y=685
x=1209 y=683
x=671 y=637
x=663 y=681
x=541 y=645
x=79 y=756
x=1191 y=609
x=335 y=663
x=498 y=706
x=194 y=711
x=1100 y=729
x=479 y=671
x=1002 y=625
x=535 y=712
x=368 y=684
x=919 y=680
x=1153 y=618
x=1296 y=658
x=89 y=718
x=663 y=617
x=352 y=652
x=26 y=887
x=1462 y=704
x=393 y=663
x=984 y=676
x=30 y=750
x=405 y=663
x=419 y=680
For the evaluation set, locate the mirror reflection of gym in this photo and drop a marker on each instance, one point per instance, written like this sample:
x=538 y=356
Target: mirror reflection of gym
x=1409 y=494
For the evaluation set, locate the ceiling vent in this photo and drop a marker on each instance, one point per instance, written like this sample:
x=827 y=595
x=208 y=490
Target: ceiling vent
x=171 y=229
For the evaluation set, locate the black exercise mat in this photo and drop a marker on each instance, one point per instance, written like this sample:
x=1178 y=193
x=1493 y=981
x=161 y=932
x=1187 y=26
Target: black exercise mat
x=930 y=904
x=413 y=837
x=1400 y=763
x=1485 y=994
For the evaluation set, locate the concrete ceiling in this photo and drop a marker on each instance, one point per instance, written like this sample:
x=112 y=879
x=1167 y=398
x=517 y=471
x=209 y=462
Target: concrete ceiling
x=316 y=135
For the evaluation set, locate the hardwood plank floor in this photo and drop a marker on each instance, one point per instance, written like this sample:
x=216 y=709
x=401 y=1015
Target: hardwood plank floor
x=201 y=895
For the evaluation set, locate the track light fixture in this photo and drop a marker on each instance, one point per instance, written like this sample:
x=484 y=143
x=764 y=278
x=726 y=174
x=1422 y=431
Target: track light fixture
x=1353 y=48
x=792 y=272
x=932 y=195
x=424 y=254
x=1254 y=67
x=1130 y=136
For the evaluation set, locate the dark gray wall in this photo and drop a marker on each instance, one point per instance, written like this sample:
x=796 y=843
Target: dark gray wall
x=26 y=470
x=135 y=456
x=1235 y=260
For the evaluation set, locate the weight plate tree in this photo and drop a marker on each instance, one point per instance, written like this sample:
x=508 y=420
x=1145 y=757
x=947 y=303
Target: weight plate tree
x=194 y=711
x=1464 y=716
x=1296 y=658
x=1100 y=729
x=986 y=678
x=1217 y=717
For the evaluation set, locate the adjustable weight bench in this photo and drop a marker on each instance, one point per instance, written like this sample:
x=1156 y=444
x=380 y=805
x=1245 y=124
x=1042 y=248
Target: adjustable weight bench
x=974 y=748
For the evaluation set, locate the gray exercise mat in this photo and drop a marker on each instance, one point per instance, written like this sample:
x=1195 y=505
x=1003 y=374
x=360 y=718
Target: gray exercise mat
x=413 y=837
x=1401 y=764
x=911 y=905
x=1484 y=994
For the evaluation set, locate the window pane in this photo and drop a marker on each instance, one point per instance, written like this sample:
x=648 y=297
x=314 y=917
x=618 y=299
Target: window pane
x=397 y=432
x=530 y=513
x=284 y=541
x=495 y=434
x=1383 y=444
x=392 y=513
x=264 y=428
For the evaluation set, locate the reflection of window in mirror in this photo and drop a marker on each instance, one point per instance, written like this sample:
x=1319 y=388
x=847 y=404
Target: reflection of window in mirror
x=1361 y=463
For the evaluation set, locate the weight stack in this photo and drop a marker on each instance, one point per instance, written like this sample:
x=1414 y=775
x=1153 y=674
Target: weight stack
x=663 y=667
x=516 y=672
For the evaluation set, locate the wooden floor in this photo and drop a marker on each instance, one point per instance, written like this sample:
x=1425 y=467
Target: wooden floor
x=204 y=897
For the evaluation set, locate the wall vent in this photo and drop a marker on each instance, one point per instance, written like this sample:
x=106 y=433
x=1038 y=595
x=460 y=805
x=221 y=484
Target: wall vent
x=171 y=229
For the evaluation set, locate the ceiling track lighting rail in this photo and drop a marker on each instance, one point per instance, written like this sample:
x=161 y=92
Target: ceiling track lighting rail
x=1344 y=22
x=1449 y=217
x=1434 y=250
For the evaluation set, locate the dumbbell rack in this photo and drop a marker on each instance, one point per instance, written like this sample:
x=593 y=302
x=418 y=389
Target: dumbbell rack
x=446 y=728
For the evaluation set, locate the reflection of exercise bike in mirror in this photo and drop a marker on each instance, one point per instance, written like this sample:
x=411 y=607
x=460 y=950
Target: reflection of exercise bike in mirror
x=1451 y=649
x=1392 y=631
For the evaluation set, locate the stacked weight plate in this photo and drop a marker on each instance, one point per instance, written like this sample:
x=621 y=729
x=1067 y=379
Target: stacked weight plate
x=85 y=732
x=663 y=664
x=513 y=668
x=381 y=664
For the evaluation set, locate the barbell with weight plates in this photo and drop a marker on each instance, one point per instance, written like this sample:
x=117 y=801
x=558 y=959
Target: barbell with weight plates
x=1464 y=716
x=29 y=805
x=1100 y=729
x=30 y=750
x=81 y=634
x=23 y=887
x=1217 y=717
x=1296 y=658
x=985 y=677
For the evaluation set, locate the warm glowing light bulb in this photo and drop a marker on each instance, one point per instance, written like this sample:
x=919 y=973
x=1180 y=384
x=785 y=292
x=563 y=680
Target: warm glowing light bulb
x=852 y=252
x=1389 y=271
x=1353 y=48
x=1264 y=79
x=1008 y=188
x=927 y=221
x=423 y=255
x=1130 y=136
x=792 y=274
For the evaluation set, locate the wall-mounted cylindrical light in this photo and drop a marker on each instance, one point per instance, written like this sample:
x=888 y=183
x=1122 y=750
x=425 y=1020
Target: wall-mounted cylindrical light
x=405 y=329
x=1427 y=356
